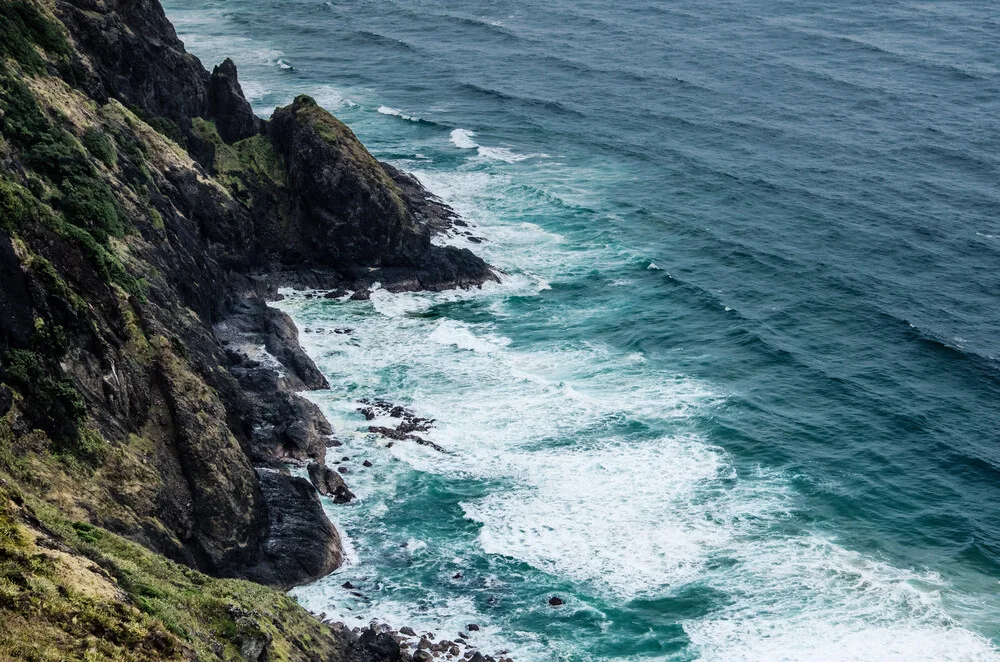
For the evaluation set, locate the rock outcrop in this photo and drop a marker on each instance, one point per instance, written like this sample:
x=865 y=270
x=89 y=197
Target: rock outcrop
x=146 y=215
x=299 y=533
x=329 y=483
x=146 y=389
x=234 y=117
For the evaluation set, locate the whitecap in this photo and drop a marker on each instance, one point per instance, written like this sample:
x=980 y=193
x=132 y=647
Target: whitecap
x=395 y=112
x=459 y=335
x=502 y=154
x=462 y=139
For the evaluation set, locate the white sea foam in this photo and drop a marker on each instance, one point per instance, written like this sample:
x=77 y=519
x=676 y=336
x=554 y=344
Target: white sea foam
x=502 y=154
x=458 y=334
x=806 y=598
x=629 y=517
x=462 y=138
x=395 y=112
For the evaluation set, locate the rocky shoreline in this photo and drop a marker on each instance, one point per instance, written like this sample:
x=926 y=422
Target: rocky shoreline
x=148 y=393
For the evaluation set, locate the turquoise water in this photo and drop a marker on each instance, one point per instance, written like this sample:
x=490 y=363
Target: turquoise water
x=737 y=396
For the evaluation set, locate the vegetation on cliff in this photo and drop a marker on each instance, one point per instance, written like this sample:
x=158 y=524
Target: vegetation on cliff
x=144 y=212
x=72 y=591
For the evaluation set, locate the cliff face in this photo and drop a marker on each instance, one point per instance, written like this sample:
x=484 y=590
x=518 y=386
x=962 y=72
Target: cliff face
x=145 y=215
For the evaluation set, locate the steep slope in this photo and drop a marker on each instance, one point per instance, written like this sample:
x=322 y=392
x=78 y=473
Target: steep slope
x=145 y=215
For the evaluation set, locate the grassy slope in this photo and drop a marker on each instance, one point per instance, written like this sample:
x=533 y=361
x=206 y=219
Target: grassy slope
x=71 y=591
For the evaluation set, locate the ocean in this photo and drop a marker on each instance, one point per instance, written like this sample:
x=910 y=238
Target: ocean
x=738 y=395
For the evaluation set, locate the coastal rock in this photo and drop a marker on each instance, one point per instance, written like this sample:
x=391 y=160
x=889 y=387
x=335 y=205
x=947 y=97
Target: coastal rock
x=217 y=472
x=329 y=483
x=137 y=58
x=300 y=542
x=348 y=213
x=265 y=357
x=234 y=119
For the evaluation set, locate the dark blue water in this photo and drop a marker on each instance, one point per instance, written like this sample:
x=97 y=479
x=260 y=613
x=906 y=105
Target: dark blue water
x=739 y=397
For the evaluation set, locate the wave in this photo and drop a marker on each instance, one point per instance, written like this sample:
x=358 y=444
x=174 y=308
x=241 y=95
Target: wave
x=462 y=139
x=627 y=514
x=909 y=57
x=395 y=112
x=382 y=40
x=534 y=102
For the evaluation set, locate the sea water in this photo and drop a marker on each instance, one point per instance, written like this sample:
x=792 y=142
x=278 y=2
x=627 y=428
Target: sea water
x=738 y=394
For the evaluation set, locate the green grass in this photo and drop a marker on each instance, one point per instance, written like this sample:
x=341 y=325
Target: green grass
x=100 y=597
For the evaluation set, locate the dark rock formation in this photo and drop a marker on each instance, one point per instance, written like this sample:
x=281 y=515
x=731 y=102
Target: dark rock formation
x=329 y=483
x=234 y=118
x=348 y=213
x=285 y=425
x=301 y=543
x=136 y=57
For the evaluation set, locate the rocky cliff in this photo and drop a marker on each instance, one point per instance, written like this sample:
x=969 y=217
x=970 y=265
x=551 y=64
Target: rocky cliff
x=145 y=216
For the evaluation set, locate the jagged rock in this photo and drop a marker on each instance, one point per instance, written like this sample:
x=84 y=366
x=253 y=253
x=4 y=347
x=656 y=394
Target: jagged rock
x=378 y=646
x=329 y=483
x=233 y=116
x=251 y=639
x=218 y=474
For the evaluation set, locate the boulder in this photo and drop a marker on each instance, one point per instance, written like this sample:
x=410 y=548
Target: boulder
x=329 y=483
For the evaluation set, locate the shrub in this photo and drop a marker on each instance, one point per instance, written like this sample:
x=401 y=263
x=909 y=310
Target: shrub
x=22 y=27
x=100 y=146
